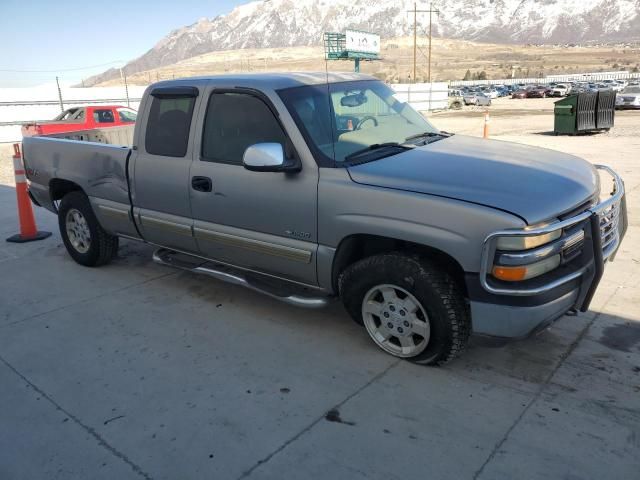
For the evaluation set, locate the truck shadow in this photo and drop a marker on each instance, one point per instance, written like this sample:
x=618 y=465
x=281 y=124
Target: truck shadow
x=551 y=133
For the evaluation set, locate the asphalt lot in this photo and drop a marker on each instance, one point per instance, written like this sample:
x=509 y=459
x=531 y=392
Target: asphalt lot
x=135 y=370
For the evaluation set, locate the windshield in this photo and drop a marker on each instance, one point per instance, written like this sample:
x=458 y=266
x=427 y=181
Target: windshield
x=127 y=114
x=340 y=119
x=67 y=115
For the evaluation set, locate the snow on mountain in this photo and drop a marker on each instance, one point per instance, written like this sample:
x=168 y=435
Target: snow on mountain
x=282 y=23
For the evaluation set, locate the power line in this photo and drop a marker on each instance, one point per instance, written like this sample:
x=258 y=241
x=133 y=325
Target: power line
x=74 y=69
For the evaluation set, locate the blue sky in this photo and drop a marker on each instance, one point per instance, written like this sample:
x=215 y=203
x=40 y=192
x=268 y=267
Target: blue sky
x=60 y=35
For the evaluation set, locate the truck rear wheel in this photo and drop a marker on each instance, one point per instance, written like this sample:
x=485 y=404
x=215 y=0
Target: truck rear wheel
x=410 y=307
x=85 y=240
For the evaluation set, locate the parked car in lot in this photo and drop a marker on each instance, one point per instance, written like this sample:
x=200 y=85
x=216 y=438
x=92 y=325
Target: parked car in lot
x=596 y=87
x=491 y=93
x=560 y=90
x=629 y=98
x=519 y=94
x=537 y=92
x=477 y=98
x=82 y=118
x=579 y=88
x=308 y=187
x=616 y=85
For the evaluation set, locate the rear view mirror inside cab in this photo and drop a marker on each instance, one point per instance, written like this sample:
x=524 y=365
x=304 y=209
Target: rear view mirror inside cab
x=354 y=100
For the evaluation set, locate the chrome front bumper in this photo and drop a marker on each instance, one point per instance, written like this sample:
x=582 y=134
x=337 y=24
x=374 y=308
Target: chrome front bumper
x=535 y=306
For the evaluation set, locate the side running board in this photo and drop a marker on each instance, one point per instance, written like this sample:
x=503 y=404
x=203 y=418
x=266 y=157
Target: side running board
x=280 y=290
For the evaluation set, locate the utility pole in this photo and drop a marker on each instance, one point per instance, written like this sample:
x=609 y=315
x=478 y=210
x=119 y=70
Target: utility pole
x=415 y=12
x=60 y=95
x=415 y=39
x=431 y=11
x=123 y=76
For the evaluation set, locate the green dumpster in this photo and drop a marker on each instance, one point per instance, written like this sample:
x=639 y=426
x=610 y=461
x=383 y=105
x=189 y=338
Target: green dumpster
x=565 y=115
x=585 y=112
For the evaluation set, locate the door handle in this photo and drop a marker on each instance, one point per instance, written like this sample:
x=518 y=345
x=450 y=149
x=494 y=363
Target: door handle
x=201 y=184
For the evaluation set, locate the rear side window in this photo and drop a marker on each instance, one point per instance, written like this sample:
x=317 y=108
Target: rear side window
x=168 y=126
x=79 y=115
x=103 y=116
x=234 y=122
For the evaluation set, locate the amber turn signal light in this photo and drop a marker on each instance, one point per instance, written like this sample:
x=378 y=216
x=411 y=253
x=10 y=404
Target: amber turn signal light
x=510 y=274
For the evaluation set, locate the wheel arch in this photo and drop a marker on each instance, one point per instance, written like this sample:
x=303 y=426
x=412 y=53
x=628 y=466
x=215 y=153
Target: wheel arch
x=59 y=187
x=355 y=247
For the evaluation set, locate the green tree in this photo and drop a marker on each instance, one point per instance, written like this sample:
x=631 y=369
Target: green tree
x=467 y=75
x=482 y=75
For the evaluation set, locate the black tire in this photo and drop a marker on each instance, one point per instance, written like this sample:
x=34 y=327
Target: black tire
x=102 y=247
x=439 y=294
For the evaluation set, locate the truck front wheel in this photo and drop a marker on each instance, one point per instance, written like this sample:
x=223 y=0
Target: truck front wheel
x=85 y=240
x=411 y=307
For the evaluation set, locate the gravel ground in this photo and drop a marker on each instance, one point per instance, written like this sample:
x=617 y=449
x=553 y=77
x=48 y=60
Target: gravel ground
x=6 y=164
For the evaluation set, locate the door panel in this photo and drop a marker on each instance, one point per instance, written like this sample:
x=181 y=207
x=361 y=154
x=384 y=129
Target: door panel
x=258 y=220
x=160 y=170
x=264 y=221
x=162 y=196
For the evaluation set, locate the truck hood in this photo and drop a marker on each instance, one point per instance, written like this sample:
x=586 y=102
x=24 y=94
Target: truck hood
x=533 y=183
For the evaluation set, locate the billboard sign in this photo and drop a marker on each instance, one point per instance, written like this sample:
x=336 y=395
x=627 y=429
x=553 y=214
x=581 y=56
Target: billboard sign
x=363 y=42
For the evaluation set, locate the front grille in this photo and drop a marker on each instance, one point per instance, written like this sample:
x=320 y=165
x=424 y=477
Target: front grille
x=573 y=244
x=609 y=231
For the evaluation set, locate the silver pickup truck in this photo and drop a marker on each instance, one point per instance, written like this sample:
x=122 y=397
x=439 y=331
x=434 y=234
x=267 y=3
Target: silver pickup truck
x=309 y=187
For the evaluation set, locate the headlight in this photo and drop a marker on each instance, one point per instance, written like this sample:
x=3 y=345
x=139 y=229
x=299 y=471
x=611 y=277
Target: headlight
x=525 y=242
x=521 y=257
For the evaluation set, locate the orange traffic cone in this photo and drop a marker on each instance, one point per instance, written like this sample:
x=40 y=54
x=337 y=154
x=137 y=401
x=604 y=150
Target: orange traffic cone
x=485 y=132
x=349 y=124
x=28 y=230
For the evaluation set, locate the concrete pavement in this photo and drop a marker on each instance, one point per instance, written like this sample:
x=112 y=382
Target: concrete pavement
x=139 y=371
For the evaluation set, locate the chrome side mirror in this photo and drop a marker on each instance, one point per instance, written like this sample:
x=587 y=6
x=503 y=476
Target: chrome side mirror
x=268 y=157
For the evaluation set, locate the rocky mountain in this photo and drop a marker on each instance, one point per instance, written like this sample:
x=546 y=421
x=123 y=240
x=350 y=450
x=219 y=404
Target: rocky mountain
x=282 y=23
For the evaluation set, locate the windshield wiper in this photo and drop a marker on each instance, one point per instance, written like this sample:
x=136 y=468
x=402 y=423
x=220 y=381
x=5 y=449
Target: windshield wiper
x=378 y=146
x=442 y=134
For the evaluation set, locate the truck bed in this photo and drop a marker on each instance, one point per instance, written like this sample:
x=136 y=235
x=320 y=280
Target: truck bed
x=99 y=169
x=121 y=135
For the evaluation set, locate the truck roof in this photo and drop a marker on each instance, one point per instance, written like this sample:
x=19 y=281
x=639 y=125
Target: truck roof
x=274 y=81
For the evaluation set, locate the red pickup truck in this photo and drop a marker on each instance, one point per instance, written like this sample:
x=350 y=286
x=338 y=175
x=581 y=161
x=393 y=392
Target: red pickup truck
x=82 y=118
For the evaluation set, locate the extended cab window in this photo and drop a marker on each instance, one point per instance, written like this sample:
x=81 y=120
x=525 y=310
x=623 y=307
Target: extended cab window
x=234 y=122
x=103 y=116
x=168 y=126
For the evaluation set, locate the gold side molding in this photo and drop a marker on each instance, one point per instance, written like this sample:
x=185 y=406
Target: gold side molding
x=282 y=251
x=166 y=225
x=114 y=212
